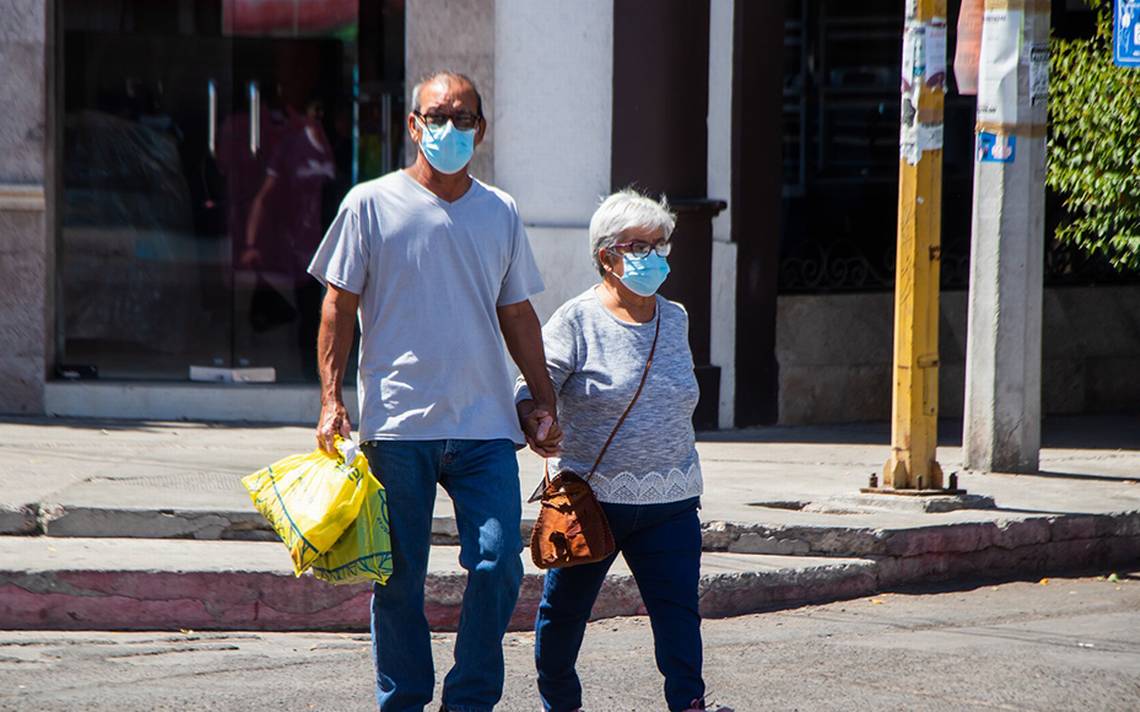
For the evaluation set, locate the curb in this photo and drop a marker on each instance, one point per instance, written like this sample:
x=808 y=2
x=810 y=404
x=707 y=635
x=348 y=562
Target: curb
x=54 y=595
x=18 y=519
x=82 y=521
x=59 y=583
x=1002 y=535
x=939 y=552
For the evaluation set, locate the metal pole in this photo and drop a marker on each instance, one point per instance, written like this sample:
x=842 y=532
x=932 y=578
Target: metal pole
x=912 y=465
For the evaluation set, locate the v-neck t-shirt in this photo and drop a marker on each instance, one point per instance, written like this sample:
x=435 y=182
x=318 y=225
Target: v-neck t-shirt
x=430 y=275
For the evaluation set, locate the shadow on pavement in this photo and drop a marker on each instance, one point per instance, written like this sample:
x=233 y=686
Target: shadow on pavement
x=122 y=425
x=1083 y=432
x=1079 y=476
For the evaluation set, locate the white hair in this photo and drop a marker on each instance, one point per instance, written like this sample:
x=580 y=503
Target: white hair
x=624 y=210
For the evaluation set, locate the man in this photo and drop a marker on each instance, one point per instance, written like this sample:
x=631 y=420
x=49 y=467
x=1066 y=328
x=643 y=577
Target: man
x=439 y=266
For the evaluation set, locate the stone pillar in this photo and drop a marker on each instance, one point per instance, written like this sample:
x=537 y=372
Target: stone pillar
x=26 y=249
x=722 y=340
x=458 y=35
x=554 y=107
x=1003 y=348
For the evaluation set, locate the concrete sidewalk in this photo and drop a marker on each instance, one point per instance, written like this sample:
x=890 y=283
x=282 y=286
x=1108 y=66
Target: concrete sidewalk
x=90 y=506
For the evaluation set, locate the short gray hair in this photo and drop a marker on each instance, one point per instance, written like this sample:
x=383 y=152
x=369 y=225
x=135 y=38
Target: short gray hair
x=450 y=76
x=622 y=211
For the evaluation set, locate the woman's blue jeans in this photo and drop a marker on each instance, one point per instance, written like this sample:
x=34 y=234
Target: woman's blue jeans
x=482 y=477
x=661 y=544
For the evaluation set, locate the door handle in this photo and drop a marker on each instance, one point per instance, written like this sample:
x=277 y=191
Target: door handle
x=254 y=118
x=212 y=114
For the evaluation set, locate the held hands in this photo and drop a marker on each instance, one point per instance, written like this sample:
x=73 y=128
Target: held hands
x=334 y=421
x=540 y=425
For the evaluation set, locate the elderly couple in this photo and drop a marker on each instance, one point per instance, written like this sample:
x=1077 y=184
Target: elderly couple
x=438 y=269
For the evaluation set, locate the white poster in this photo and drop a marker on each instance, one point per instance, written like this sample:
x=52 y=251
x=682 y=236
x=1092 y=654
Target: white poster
x=936 y=54
x=997 y=73
x=1038 y=73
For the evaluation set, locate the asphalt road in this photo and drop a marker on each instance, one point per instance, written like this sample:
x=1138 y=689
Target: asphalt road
x=1070 y=644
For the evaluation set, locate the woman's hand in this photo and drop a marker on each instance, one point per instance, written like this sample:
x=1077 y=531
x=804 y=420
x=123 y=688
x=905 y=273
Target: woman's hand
x=540 y=425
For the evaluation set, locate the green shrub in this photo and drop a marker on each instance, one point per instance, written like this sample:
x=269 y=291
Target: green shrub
x=1094 y=152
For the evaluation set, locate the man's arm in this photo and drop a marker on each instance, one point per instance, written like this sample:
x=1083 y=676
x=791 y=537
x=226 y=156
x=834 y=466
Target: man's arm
x=523 y=334
x=334 y=341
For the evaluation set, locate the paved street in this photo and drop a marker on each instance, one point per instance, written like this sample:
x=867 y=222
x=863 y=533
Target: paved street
x=1070 y=644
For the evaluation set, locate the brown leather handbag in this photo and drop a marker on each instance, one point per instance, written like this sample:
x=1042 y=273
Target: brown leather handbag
x=572 y=528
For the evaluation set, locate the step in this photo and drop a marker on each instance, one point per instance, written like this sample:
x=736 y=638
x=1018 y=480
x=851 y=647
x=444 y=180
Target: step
x=814 y=534
x=166 y=508
x=156 y=584
x=79 y=520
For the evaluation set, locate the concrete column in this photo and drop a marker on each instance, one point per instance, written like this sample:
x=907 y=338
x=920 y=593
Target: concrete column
x=458 y=35
x=26 y=249
x=1002 y=411
x=722 y=343
x=554 y=110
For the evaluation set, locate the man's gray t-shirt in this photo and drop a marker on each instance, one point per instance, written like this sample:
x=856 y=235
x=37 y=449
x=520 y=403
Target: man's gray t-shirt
x=430 y=275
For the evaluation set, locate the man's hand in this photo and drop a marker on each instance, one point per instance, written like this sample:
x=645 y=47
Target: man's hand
x=334 y=341
x=540 y=425
x=334 y=421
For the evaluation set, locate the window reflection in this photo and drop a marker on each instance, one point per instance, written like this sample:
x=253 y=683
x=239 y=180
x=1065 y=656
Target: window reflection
x=206 y=146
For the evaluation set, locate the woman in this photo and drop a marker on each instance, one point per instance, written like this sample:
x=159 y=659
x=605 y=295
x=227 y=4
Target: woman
x=649 y=482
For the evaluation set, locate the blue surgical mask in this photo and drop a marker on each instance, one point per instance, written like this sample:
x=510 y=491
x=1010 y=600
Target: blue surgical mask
x=446 y=148
x=644 y=275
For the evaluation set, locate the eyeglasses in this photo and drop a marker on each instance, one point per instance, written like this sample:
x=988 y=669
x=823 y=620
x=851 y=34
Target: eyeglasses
x=642 y=249
x=464 y=121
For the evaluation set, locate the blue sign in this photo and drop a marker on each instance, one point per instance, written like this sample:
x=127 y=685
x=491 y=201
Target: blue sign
x=1126 y=33
x=996 y=148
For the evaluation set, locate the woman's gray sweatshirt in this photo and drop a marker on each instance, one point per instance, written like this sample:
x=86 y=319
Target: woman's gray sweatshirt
x=596 y=361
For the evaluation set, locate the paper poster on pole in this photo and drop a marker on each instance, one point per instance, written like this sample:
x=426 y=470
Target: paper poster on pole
x=1038 y=74
x=923 y=70
x=969 y=47
x=935 y=77
x=996 y=148
x=997 y=74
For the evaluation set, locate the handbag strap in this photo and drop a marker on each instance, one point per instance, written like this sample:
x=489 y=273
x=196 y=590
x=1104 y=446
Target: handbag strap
x=644 y=376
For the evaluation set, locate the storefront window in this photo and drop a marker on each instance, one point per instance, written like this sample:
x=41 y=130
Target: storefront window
x=841 y=150
x=841 y=160
x=206 y=146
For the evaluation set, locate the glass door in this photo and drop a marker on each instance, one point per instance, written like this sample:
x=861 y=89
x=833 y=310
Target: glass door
x=288 y=161
x=207 y=145
x=144 y=251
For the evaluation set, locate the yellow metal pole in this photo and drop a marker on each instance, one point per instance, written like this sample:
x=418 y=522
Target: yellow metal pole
x=914 y=403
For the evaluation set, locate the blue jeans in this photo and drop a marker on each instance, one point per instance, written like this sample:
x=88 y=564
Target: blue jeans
x=661 y=544
x=482 y=477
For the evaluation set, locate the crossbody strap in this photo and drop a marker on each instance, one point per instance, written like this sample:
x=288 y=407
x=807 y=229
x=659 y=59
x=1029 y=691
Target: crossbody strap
x=644 y=376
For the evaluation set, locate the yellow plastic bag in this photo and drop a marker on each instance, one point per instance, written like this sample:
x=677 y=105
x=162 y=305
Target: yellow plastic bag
x=364 y=552
x=310 y=500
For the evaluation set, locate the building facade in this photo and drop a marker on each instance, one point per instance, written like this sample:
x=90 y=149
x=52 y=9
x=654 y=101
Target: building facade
x=167 y=168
